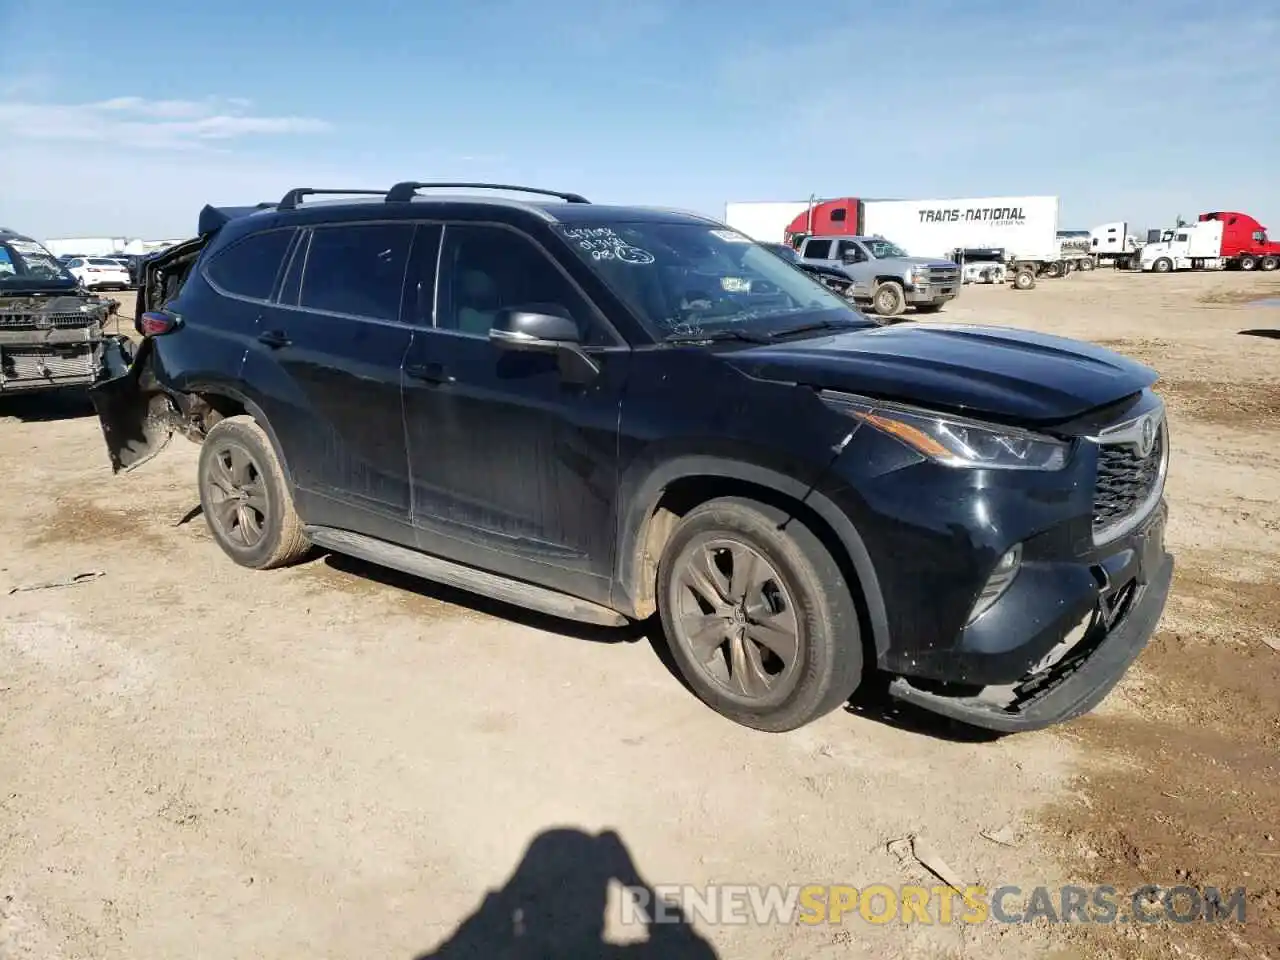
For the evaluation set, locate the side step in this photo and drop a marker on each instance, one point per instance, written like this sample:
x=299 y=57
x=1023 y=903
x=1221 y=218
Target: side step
x=464 y=578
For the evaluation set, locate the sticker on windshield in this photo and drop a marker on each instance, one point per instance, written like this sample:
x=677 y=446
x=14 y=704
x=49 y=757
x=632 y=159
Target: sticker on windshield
x=730 y=236
x=28 y=247
x=604 y=244
x=735 y=285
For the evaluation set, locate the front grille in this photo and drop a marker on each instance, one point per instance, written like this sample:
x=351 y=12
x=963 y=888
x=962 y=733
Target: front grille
x=1127 y=483
x=43 y=320
x=944 y=274
x=78 y=363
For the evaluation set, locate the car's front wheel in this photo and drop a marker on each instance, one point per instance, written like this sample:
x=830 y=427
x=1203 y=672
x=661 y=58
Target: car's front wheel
x=758 y=615
x=245 y=498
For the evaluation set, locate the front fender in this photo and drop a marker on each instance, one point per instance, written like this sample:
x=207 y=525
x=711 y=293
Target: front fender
x=641 y=493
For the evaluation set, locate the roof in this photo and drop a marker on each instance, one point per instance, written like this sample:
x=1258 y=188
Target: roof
x=571 y=208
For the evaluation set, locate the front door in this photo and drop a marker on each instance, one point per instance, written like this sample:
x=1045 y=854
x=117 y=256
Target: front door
x=514 y=469
x=328 y=355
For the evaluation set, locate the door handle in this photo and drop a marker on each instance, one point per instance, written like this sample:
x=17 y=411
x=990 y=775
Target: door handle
x=430 y=372
x=274 y=339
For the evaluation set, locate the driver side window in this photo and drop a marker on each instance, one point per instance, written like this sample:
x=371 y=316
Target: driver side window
x=486 y=269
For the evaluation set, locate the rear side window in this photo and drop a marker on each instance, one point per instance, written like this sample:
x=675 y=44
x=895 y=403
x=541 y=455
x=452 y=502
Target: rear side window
x=357 y=269
x=248 y=267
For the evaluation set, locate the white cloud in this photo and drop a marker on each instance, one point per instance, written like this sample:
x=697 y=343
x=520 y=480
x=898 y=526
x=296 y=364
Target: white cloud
x=130 y=121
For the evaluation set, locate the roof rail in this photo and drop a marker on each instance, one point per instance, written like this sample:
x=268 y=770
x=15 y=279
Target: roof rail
x=403 y=192
x=291 y=199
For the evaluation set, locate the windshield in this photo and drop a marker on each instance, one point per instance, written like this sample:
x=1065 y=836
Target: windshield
x=883 y=249
x=690 y=279
x=26 y=262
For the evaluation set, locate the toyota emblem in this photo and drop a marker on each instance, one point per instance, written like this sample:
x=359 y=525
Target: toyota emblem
x=1147 y=439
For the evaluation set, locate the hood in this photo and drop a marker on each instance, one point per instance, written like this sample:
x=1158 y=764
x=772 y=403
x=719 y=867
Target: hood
x=930 y=262
x=1014 y=376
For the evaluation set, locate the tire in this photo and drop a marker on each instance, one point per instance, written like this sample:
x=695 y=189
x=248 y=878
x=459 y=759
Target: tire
x=1248 y=263
x=808 y=592
x=238 y=464
x=1086 y=265
x=888 y=300
x=1055 y=269
x=1163 y=265
x=1024 y=280
x=1269 y=263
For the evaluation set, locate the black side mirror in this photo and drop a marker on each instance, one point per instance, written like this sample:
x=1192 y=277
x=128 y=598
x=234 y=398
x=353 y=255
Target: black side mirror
x=536 y=329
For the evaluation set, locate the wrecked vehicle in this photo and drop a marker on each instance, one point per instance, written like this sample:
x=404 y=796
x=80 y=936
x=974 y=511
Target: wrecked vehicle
x=616 y=413
x=52 y=332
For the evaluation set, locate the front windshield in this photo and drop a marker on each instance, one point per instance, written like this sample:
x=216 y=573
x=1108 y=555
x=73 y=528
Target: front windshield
x=884 y=250
x=25 y=261
x=692 y=279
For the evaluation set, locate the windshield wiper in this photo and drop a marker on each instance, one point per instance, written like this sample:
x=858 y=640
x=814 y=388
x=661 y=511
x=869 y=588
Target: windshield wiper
x=711 y=335
x=816 y=325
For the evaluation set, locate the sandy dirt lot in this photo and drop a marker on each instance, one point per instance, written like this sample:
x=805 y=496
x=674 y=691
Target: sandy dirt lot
x=330 y=761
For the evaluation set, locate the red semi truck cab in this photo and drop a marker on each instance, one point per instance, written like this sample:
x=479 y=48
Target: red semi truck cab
x=1244 y=239
x=841 y=217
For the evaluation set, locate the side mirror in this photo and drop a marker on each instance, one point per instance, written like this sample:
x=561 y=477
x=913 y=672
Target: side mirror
x=534 y=330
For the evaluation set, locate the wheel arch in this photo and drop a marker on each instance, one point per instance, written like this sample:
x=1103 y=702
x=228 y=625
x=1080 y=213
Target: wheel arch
x=227 y=401
x=649 y=515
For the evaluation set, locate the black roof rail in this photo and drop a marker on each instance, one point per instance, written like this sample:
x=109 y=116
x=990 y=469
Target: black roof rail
x=291 y=199
x=403 y=192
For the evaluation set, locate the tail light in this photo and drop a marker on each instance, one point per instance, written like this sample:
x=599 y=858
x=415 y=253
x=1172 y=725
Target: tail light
x=156 y=323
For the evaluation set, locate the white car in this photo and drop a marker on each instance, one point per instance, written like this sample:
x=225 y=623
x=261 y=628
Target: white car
x=98 y=273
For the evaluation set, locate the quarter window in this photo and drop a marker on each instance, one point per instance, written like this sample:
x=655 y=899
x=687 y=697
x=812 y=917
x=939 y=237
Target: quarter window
x=357 y=269
x=248 y=267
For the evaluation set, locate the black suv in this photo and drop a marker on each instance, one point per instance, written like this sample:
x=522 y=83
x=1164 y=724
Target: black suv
x=606 y=413
x=51 y=330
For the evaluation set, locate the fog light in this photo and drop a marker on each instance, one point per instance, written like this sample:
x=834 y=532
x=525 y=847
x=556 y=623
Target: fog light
x=1006 y=569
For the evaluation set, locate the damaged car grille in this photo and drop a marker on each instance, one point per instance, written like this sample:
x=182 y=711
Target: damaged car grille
x=1132 y=461
x=29 y=363
x=46 y=320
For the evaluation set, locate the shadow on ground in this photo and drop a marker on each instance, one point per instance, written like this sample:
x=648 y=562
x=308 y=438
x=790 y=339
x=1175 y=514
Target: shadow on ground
x=555 y=904
x=1262 y=332
x=47 y=405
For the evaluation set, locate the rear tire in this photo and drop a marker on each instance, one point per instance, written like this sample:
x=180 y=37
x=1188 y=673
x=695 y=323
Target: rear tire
x=1269 y=263
x=1086 y=265
x=1024 y=280
x=888 y=300
x=1248 y=263
x=245 y=498
x=775 y=649
x=1055 y=269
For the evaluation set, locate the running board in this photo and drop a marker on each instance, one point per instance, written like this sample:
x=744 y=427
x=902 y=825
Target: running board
x=451 y=574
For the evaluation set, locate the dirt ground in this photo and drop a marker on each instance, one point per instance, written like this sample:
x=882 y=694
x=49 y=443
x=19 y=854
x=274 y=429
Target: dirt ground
x=330 y=761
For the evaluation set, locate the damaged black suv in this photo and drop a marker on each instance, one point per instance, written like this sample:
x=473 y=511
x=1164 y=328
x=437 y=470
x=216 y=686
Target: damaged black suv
x=51 y=330
x=609 y=413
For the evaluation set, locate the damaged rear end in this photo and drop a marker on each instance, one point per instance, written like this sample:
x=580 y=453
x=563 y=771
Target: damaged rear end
x=138 y=415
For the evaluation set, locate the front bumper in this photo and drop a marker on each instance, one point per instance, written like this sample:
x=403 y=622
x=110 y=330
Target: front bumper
x=49 y=360
x=1131 y=588
x=932 y=292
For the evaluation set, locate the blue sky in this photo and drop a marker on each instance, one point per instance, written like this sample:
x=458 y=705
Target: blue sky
x=123 y=119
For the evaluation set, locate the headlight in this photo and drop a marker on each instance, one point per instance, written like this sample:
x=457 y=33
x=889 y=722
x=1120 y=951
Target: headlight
x=921 y=272
x=955 y=441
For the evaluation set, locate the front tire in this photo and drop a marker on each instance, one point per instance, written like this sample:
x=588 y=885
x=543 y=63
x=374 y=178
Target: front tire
x=245 y=498
x=760 y=620
x=1163 y=265
x=888 y=299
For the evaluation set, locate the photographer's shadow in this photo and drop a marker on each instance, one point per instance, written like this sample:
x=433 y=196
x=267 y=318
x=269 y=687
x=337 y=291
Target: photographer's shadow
x=554 y=906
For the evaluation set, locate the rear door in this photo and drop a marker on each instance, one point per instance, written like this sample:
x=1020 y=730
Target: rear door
x=327 y=360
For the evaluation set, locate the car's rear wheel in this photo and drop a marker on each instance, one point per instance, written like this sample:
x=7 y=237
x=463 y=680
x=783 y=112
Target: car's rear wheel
x=758 y=615
x=245 y=498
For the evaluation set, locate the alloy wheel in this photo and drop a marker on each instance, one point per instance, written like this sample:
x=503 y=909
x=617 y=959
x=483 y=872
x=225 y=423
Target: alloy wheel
x=237 y=495
x=734 y=616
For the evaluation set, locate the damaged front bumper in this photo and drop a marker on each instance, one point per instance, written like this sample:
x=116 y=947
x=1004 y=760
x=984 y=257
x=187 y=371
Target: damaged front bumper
x=1125 y=615
x=52 y=344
